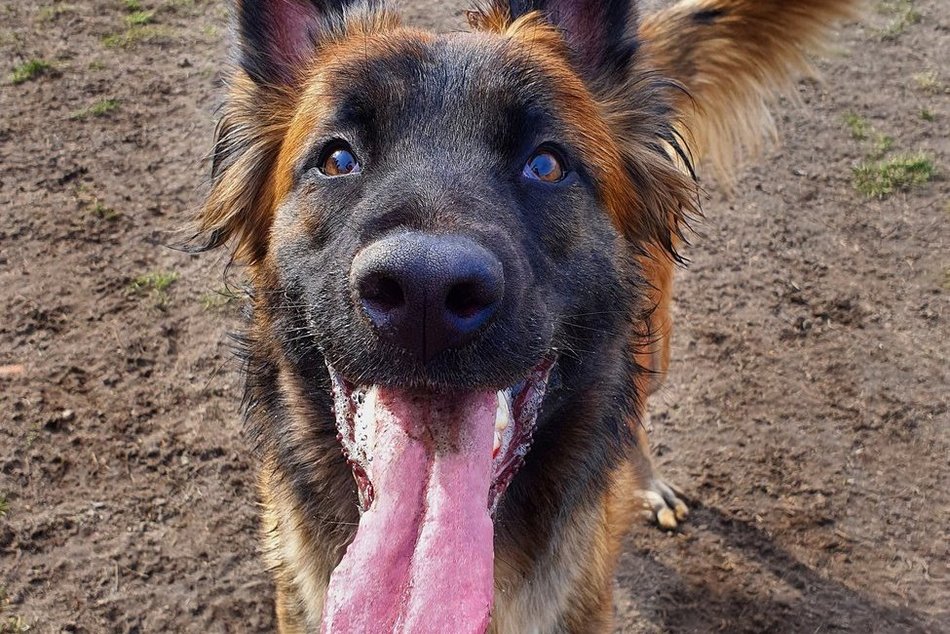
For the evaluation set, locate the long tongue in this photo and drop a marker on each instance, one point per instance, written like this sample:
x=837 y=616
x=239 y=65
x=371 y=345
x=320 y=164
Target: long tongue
x=422 y=557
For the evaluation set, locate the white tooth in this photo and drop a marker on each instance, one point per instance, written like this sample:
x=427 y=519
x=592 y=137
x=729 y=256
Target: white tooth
x=503 y=412
x=365 y=421
x=369 y=400
x=497 y=444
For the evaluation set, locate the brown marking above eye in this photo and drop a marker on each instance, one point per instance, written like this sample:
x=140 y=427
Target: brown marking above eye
x=545 y=166
x=340 y=161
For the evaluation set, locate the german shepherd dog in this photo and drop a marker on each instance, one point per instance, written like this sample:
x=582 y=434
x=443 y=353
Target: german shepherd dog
x=461 y=250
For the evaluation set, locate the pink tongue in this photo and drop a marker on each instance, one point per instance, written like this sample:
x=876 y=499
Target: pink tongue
x=422 y=557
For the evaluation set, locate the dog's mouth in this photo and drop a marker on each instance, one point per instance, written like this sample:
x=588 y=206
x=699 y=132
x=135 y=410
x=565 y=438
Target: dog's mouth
x=430 y=470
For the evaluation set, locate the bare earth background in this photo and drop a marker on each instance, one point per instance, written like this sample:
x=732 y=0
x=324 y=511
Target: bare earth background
x=806 y=415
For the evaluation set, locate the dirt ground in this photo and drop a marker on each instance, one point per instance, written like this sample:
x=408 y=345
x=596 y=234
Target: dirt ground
x=806 y=414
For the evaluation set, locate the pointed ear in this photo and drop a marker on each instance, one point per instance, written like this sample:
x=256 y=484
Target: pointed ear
x=601 y=34
x=276 y=36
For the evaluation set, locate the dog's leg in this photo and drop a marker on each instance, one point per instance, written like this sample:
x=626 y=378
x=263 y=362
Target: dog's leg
x=661 y=498
x=289 y=620
x=653 y=355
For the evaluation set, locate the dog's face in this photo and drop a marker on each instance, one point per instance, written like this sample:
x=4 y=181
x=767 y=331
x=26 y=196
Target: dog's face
x=443 y=233
x=442 y=227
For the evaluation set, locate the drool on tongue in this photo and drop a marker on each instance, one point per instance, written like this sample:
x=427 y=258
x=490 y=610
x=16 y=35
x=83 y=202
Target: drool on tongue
x=422 y=559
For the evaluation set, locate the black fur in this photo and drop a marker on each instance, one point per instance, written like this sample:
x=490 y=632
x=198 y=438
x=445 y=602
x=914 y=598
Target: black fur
x=709 y=16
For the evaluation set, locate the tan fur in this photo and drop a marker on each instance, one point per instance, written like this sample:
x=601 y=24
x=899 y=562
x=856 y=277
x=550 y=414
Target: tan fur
x=578 y=575
x=241 y=204
x=278 y=548
x=736 y=66
x=301 y=564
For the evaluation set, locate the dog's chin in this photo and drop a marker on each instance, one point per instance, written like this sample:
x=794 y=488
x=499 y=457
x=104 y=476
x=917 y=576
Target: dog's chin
x=430 y=468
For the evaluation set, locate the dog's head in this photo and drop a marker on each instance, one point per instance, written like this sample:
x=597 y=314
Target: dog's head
x=441 y=231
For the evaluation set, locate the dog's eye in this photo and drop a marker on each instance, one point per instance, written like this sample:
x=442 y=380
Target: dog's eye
x=339 y=161
x=544 y=166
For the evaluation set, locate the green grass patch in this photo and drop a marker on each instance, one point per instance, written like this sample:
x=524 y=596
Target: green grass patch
x=4 y=505
x=135 y=35
x=140 y=18
x=218 y=298
x=103 y=212
x=901 y=173
x=133 y=5
x=50 y=13
x=859 y=126
x=901 y=13
x=9 y=624
x=99 y=109
x=155 y=281
x=30 y=70
x=862 y=130
x=92 y=206
x=154 y=285
x=929 y=82
x=881 y=145
x=13 y=625
x=927 y=115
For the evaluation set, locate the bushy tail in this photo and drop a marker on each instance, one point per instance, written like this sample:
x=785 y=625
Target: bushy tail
x=735 y=57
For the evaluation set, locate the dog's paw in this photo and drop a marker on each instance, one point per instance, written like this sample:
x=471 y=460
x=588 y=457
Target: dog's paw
x=663 y=505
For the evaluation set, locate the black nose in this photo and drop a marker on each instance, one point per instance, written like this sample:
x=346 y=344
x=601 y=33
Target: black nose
x=427 y=293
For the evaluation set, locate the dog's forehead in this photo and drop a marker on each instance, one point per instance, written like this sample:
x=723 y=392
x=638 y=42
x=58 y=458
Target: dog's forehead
x=461 y=81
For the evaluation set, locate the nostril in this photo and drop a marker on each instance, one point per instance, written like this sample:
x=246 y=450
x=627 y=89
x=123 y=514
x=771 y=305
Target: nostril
x=427 y=293
x=382 y=293
x=467 y=299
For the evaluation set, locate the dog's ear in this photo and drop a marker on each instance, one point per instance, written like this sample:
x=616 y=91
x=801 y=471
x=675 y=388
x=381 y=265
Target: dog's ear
x=601 y=34
x=275 y=37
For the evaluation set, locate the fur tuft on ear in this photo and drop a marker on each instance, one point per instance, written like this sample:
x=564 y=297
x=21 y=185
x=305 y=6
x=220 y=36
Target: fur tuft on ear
x=277 y=41
x=276 y=36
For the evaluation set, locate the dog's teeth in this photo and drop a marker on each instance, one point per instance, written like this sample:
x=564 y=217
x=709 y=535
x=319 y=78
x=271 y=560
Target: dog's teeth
x=369 y=399
x=502 y=413
x=497 y=445
x=364 y=423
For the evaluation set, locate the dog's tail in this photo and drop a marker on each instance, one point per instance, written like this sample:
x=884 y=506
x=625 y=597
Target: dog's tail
x=734 y=57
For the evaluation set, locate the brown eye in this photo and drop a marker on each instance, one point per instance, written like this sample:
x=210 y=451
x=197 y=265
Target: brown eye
x=544 y=166
x=340 y=162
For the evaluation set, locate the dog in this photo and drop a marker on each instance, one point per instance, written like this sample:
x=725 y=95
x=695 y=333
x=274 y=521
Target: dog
x=461 y=250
